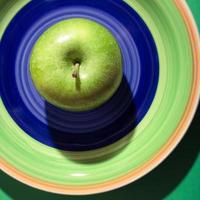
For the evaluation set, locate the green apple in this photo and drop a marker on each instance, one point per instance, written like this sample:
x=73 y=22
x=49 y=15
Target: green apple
x=76 y=64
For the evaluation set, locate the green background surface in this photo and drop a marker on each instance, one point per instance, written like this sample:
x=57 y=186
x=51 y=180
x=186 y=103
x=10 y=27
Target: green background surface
x=178 y=177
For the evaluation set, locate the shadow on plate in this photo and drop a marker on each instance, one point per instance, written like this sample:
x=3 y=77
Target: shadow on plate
x=117 y=126
x=156 y=185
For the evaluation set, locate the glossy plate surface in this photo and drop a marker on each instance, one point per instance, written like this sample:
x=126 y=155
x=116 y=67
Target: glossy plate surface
x=154 y=137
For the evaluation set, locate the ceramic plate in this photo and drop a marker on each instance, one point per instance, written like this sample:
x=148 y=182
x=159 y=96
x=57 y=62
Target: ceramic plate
x=126 y=137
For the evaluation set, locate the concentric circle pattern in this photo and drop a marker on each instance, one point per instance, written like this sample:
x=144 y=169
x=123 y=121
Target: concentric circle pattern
x=86 y=130
x=155 y=106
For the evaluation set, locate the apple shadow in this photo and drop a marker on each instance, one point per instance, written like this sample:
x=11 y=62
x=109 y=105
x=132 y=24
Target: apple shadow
x=117 y=132
x=156 y=185
x=85 y=157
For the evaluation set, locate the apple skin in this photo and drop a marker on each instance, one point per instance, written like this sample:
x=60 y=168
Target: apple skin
x=82 y=46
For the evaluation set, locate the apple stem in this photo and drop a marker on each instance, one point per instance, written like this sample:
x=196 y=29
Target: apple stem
x=75 y=73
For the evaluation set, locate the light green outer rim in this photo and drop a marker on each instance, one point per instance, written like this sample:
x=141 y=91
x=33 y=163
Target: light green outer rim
x=31 y=157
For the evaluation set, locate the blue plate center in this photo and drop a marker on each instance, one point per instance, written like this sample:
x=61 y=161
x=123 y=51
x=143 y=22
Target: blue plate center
x=78 y=131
